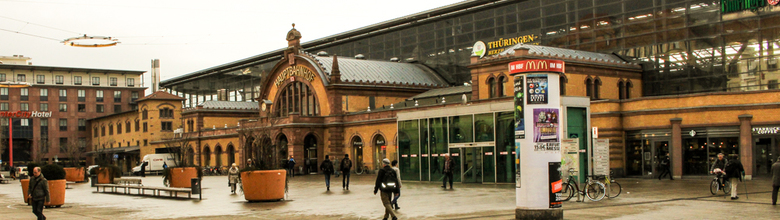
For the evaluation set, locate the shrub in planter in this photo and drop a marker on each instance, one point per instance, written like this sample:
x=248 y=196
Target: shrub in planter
x=74 y=174
x=55 y=175
x=106 y=174
x=181 y=176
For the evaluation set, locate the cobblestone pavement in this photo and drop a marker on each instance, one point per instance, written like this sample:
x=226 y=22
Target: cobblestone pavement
x=308 y=199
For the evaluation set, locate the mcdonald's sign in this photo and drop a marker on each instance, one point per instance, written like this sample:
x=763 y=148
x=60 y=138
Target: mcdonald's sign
x=525 y=66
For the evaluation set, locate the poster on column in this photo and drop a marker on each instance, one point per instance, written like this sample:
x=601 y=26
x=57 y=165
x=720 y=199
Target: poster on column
x=519 y=108
x=556 y=184
x=537 y=89
x=546 y=125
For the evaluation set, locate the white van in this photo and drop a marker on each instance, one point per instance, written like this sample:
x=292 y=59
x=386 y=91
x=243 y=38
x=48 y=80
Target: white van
x=155 y=163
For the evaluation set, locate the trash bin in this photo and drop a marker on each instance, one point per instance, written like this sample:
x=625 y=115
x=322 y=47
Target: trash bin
x=195 y=185
x=93 y=180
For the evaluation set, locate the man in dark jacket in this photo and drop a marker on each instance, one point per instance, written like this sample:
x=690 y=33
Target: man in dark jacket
x=664 y=167
x=346 y=167
x=734 y=172
x=719 y=168
x=386 y=193
x=775 y=180
x=449 y=166
x=38 y=193
x=327 y=169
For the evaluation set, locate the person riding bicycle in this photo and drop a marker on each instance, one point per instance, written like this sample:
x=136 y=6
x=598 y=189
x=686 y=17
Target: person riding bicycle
x=719 y=168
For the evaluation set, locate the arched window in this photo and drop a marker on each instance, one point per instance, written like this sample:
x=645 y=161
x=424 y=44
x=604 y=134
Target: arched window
x=629 y=85
x=562 y=82
x=500 y=90
x=491 y=87
x=231 y=154
x=596 y=88
x=621 y=89
x=589 y=87
x=207 y=156
x=218 y=155
x=145 y=114
x=299 y=98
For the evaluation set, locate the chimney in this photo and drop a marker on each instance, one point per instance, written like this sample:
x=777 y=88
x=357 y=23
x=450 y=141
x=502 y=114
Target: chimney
x=155 y=74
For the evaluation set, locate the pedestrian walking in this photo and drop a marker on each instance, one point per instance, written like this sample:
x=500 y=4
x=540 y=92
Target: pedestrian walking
x=734 y=172
x=346 y=167
x=664 y=168
x=143 y=168
x=386 y=180
x=327 y=169
x=38 y=193
x=397 y=193
x=233 y=178
x=291 y=166
x=449 y=165
x=775 y=180
x=12 y=172
x=249 y=163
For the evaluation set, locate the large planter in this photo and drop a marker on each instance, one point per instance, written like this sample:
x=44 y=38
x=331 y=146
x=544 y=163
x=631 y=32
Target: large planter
x=263 y=185
x=74 y=174
x=105 y=176
x=25 y=186
x=56 y=192
x=182 y=176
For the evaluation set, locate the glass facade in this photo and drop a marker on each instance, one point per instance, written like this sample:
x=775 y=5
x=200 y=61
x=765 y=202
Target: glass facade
x=477 y=160
x=686 y=46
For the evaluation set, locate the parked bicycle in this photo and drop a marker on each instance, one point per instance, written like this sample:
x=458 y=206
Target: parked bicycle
x=715 y=185
x=360 y=168
x=592 y=189
x=613 y=187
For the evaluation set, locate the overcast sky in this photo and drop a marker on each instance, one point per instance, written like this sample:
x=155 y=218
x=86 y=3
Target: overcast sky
x=186 y=36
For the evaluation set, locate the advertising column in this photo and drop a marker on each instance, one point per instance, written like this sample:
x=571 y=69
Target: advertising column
x=538 y=138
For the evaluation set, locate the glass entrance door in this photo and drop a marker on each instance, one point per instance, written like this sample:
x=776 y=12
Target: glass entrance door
x=472 y=164
x=763 y=156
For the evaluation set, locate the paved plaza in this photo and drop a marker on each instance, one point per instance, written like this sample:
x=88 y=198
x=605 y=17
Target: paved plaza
x=308 y=199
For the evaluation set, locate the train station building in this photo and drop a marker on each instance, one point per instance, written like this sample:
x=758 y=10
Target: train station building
x=688 y=79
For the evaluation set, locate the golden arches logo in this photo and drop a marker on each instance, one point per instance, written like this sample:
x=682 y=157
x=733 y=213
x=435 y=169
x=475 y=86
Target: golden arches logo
x=536 y=64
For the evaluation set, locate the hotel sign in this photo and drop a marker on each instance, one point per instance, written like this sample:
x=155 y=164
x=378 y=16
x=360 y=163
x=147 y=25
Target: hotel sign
x=300 y=71
x=525 y=66
x=727 y=6
x=25 y=114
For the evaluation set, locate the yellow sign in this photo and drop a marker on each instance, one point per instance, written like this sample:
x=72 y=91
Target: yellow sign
x=495 y=47
x=294 y=71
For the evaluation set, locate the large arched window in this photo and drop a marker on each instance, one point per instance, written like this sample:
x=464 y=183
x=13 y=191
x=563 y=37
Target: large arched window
x=206 y=156
x=299 y=98
x=491 y=87
x=500 y=86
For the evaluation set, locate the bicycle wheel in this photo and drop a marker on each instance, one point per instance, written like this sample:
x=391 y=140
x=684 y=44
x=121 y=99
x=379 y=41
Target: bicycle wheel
x=726 y=187
x=714 y=186
x=614 y=189
x=595 y=191
x=358 y=170
x=567 y=191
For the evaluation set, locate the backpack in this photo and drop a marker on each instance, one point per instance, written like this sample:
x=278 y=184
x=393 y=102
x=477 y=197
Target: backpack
x=346 y=164
x=389 y=181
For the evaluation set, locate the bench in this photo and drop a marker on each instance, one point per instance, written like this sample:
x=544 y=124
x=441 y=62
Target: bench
x=128 y=181
x=141 y=190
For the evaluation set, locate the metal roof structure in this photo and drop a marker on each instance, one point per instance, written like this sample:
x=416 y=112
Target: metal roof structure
x=359 y=33
x=230 y=105
x=562 y=52
x=382 y=72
